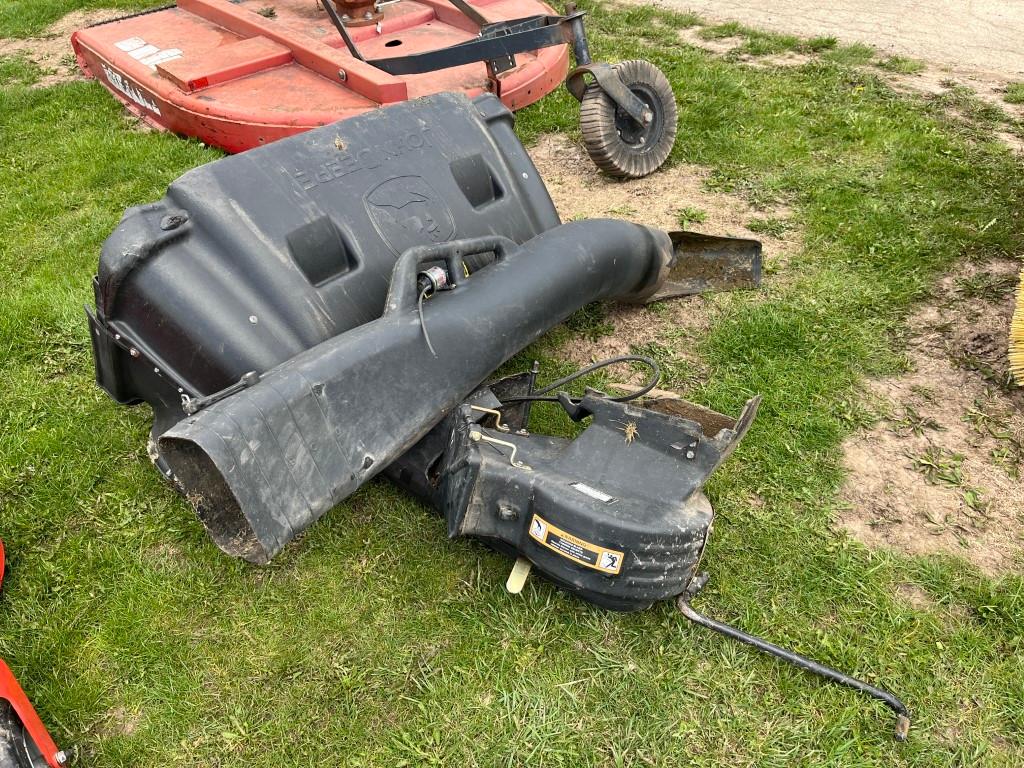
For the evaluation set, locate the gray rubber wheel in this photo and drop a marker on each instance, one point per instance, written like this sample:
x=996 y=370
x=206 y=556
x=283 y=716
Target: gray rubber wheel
x=15 y=751
x=619 y=145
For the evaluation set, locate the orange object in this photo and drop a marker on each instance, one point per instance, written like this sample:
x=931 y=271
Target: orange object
x=241 y=73
x=37 y=739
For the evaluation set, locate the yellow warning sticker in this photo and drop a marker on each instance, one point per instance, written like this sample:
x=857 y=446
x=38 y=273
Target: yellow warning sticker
x=575 y=548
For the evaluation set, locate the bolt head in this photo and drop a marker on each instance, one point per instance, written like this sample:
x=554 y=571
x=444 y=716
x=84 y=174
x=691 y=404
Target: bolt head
x=61 y=757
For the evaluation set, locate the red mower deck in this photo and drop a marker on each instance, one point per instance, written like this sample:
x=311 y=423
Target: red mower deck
x=241 y=74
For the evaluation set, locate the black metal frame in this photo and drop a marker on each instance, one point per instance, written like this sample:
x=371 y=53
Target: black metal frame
x=497 y=46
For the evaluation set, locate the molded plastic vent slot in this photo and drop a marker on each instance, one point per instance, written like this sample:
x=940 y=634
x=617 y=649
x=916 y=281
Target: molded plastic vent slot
x=475 y=179
x=320 y=251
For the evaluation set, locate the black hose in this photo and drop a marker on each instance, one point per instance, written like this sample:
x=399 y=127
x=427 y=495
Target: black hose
x=833 y=675
x=541 y=394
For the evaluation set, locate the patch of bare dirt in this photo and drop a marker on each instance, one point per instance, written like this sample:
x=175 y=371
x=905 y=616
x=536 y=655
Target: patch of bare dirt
x=942 y=471
x=724 y=45
x=120 y=722
x=580 y=191
x=987 y=74
x=980 y=34
x=786 y=59
x=52 y=50
x=721 y=45
x=163 y=556
x=989 y=87
x=1012 y=140
x=915 y=597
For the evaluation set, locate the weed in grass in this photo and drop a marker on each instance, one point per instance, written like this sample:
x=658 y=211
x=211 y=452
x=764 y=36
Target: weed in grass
x=853 y=413
x=989 y=286
x=984 y=421
x=902 y=65
x=761 y=43
x=770 y=225
x=719 y=31
x=18 y=70
x=856 y=54
x=989 y=422
x=915 y=422
x=690 y=215
x=1014 y=93
x=940 y=466
x=1010 y=456
x=676 y=373
x=623 y=211
x=975 y=501
x=926 y=393
x=980 y=115
x=590 y=322
x=970 y=361
x=819 y=44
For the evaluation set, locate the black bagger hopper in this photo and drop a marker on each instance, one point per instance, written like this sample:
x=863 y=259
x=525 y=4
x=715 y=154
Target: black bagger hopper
x=307 y=315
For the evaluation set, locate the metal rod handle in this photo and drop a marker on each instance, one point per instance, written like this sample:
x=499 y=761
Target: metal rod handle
x=809 y=665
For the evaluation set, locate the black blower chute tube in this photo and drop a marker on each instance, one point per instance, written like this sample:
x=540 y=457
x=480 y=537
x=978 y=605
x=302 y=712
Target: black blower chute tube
x=262 y=465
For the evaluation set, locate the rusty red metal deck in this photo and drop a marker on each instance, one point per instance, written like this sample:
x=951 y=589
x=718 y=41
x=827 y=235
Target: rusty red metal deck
x=241 y=73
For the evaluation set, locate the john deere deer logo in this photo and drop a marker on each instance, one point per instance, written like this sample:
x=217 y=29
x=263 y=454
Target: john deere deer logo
x=406 y=211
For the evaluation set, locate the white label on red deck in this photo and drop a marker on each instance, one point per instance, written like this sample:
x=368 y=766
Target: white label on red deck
x=121 y=83
x=162 y=56
x=130 y=44
x=144 y=51
x=147 y=53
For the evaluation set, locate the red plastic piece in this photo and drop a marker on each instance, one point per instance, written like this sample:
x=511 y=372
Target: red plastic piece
x=23 y=710
x=236 y=75
x=12 y=692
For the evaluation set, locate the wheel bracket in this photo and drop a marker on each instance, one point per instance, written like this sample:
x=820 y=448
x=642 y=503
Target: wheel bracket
x=608 y=80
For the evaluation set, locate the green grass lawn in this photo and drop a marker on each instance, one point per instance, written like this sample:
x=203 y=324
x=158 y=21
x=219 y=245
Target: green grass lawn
x=374 y=641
